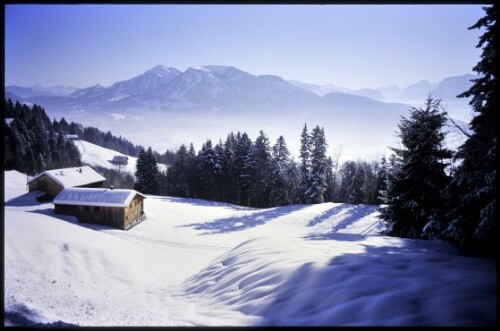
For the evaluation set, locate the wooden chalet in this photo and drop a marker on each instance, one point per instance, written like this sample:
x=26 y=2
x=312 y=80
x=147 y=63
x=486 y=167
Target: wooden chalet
x=54 y=181
x=117 y=208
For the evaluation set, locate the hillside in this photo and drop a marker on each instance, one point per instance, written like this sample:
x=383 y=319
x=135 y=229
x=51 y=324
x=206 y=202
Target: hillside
x=95 y=155
x=194 y=262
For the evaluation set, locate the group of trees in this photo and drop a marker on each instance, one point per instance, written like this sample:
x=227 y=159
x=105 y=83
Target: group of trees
x=254 y=173
x=423 y=200
x=33 y=142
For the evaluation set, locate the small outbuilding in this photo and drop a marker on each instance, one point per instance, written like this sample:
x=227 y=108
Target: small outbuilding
x=117 y=208
x=71 y=137
x=120 y=159
x=54 y=181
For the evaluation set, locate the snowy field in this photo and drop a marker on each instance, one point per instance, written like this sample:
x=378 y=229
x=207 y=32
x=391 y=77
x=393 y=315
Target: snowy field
x=193 y=262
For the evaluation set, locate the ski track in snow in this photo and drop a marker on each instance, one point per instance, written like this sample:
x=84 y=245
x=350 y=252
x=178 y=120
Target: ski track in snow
x=194 y=262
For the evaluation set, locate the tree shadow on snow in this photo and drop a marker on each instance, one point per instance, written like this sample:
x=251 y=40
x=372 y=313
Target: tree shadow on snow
x=336 y=236
x=239 y=223
x=329 y=213
x=204 y=203
x=354 y=213
x=387 y=286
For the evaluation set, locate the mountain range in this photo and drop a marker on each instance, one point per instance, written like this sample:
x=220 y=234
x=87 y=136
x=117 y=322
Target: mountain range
x=210 y=101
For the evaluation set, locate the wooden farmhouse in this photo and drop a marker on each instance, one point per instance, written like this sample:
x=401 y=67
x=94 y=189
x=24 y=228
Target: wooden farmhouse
x=118 y=208
x=54 y=181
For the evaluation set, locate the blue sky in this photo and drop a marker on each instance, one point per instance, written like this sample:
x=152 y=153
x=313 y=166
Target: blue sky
x=353 y=46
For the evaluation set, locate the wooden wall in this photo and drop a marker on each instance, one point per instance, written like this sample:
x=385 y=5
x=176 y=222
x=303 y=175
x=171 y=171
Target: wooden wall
x=46 y=184
x=134 y=212
x=116 y=217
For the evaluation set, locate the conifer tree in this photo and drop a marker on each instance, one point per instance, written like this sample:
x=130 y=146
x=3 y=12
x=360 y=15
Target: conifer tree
x=262 y=170
x=415 y=199
x=472 y=192
x=305 y=164
x=316 y=185
x=147 y=173
x=280 y=191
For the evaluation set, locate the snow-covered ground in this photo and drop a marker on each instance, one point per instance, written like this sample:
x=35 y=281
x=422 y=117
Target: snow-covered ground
x=194 y=262
x=95 y=155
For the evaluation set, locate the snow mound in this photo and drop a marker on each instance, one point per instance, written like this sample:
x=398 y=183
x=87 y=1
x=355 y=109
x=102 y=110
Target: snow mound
x=356 y=281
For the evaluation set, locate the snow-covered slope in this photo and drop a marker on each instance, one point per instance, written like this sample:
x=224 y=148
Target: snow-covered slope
x=194 y=262
x=95 y=155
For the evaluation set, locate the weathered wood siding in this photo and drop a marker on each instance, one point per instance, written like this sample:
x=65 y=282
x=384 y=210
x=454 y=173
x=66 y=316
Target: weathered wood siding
x=110 y=216
x=134 y=212
x=116 y=217
x=46 y=184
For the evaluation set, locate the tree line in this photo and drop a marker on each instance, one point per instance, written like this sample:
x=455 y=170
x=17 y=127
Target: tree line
x=33 y=144
x=257 y=173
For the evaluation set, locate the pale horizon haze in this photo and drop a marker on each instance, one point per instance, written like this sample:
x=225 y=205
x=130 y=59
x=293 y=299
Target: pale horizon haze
x=354 y=46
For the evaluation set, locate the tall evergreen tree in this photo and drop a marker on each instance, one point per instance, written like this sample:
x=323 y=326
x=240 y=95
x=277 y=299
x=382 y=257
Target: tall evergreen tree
x=472 y=192
x=147 y=173
x=415 y=199
x=208 y=169
x=261 y=171
x=330 y=181
x=242 y=168
x=382 y=181
x=178 y=184
x=317 y=184
x=305 y=164
x=280 y=192
x=227 y=163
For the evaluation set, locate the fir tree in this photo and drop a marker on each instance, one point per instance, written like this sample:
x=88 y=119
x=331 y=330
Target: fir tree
x=262 y=170
x=147 y=173
x=305 y=164
x=415 y=198
x=472 y=192
x=280 y=191
x=178 y=185
x=317 y=184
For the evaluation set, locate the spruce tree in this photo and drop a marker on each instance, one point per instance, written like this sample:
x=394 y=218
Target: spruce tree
x=147 y=173
x=472 y=192
x=208 y=168
x=280 y=192
x=382 y=181
x=305 y=164
x=415 y=199
x=241 y=168
x=262 y=170
x=317 y=184
x=178 y=185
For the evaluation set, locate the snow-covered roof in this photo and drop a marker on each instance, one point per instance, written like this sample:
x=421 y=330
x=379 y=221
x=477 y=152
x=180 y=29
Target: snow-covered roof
x=96 y=197
x=71 y=177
